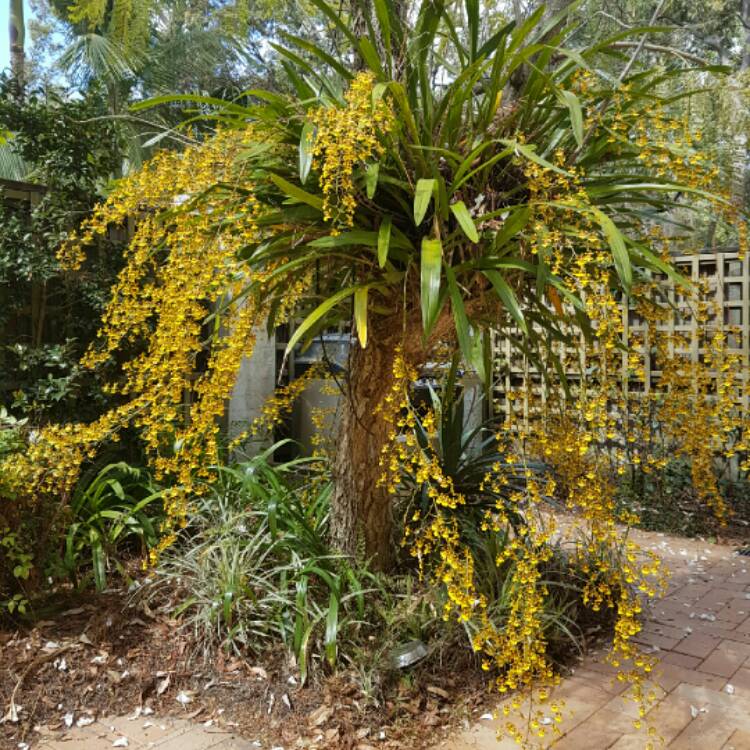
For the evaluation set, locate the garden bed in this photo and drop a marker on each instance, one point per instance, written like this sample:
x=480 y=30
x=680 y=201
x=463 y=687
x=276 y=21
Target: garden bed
x=101 y=656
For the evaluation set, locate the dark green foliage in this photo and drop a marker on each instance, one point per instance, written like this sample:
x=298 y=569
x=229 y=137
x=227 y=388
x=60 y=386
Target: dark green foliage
x=466 y=451
x=48 y=317
x=114 y=514
x=255 y=568
x=113 y=519
x=666 y=501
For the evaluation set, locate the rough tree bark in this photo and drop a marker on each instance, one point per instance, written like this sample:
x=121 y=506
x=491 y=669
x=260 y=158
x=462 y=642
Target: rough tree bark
x=17 y=36
x=360 y=509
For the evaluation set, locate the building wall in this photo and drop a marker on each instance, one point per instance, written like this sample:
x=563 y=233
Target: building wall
x=255 y=383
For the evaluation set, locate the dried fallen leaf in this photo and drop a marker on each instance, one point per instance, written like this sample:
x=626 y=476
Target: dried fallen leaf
x=320 y=716
x=438 y=691
x=12 y=715
x=120 y=742
x=163 y=684
x=184 y=697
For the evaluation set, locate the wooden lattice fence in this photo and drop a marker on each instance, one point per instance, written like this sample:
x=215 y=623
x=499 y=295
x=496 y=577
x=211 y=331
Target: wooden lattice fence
x=726 y=278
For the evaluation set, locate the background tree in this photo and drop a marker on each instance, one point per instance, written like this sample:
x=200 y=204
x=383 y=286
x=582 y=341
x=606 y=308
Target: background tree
x=698 y=35
x=17 y=40
x=47 y=317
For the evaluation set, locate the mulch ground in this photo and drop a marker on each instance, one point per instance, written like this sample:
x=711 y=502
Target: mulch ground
x=102 y=655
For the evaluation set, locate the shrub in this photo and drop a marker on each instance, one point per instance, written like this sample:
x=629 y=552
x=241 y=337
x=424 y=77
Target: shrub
x=667 y=500
x=254 y=567
x=110 y=515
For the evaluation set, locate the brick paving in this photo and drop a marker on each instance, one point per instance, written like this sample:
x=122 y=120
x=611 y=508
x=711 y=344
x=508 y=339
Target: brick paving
x=147 y=733
x=700 y=630
x=701 y=633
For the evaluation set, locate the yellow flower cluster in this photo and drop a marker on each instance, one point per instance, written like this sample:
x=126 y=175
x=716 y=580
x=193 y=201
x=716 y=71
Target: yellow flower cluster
x=586 y=435
x=346 y=138
x=665 y=144
x=604 y=427
x=182 y=286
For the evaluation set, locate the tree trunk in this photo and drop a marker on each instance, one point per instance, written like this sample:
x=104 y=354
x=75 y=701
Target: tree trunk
x=744 y=66
x=17 y=38
x=745 y=18
x=360 y=12
x=361 y=513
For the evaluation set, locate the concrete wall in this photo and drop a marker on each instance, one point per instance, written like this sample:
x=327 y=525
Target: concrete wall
x=255 y=383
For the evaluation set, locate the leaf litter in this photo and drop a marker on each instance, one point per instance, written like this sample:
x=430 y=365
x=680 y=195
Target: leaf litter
x=120 y=660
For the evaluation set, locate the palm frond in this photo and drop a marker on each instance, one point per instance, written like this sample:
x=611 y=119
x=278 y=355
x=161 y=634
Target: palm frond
x=95 y=57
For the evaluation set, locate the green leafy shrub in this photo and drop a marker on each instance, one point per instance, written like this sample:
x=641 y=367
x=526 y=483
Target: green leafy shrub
x=254 y=567
x=112 y=516
x=17 y=527
x=466 y=454
x=116 y=510
x=666 y=500
x=49 y=316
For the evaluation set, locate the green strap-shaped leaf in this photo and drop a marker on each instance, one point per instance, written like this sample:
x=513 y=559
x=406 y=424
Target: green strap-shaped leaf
x=570 y=100
x=507 y=297
x=360 y=237
x=616 y=242
x=422 y=196
x=431 y=267
x=321 y=54
x=474 y=26
x=360 y=315
x=384 y=240
x=332 y=627
x=297 y=192
x=321 y=310
x=469 y=349
x=465 y=221
x=305 y=151
x=382 y=13
x=370 y=55
x=516 y=220
x=529 y=152
x=371 y=178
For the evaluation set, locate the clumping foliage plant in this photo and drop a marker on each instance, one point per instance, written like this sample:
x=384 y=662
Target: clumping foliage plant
x=442 y=183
